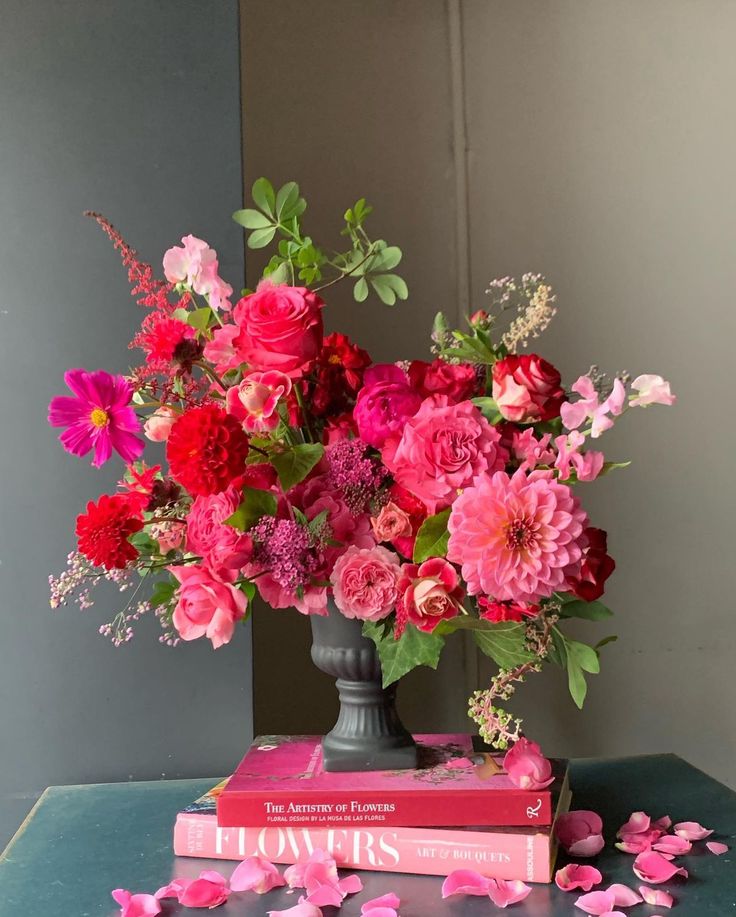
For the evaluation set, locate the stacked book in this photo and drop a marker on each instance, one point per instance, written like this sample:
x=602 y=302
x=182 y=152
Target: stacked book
x=456 y=810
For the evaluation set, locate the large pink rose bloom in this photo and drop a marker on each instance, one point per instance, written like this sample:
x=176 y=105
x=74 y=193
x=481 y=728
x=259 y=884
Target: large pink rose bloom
x=280 y=328
x=207 y=535
x=207 y=606
x=443 y=447
x=365 y=582
x=518 y=539
x=384 y=403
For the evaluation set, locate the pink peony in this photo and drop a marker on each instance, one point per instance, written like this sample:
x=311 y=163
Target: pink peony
x=430 y=592
x=527 y=767
x=206 y=606
x=365 y=583
x=255 y=400
x=384 y=404
x=219 y=545
x=518 y=539
x=443 y=447
x=159 y=424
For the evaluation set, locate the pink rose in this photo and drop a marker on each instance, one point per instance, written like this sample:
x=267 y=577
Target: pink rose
x=392 y=522
x=527 y=388
x=456 y=380
x=364 y=581
x=527 y=767
x=430 y=592
x=220 y=545
x=255 y=400
x=207 y=606
x=159 y=424
x=442 y=448
x=384 y=403
x=280 y=328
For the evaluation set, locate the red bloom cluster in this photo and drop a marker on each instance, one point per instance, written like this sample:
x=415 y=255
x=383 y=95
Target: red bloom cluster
x=103 y=531
x=597 y=567
x=459 y=381
x=490 y=610
x=339 y=369
x=527 y=388
x=162 y=338
x=206 y=450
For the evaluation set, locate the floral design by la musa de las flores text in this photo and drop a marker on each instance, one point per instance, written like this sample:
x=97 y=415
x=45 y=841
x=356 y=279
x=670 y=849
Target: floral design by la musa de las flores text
x=424 y=497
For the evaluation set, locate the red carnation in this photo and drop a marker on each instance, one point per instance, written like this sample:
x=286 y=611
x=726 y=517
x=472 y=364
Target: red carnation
x=162 y=338
x=527 y=388
x=340 y=366
x=459 y=381
x=597 y=567
x=103 y=531
x=206 y=450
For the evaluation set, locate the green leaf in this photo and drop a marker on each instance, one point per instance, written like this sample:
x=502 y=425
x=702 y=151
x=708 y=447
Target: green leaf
x=255 y=504
x=612 y=638
x=200 y=318
x=488 y=408
x=263 y=194
x=587 y=611
x=504 y=643
x=293 y=465
x=400 y=656
x=143 y=541
x=383 y=291
x=286 y=199
x=252 y=219
x=360 y=290
x=260 y=238
x=432 y=537
x=163 y=592
x=585 y=656
x=386 y=259
x=612 y=466
x=248 y=589
x=281 y=274
x=576 y=683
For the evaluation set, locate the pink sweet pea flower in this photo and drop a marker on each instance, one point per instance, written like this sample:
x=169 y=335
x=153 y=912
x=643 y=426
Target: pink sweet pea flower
x=587 y=465
x=575 y=876
x=652 y=390
x=256 y=874
x=655 y=897
x=588 y=407
x=194 y=265
x=302 y=909
x=717 y=847
x=580 y=832
x=97 y=416
x=692 y=831
x=655 y=868
x=136 y=905
x=255 y=400
x=527 y=767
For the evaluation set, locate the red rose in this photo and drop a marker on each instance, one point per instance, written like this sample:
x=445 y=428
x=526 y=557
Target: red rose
x=458 y=381
x=597 y=567
x=104 y=529
x=206 y=449
x=527 y=388
x=340 y=366
x=280 y=328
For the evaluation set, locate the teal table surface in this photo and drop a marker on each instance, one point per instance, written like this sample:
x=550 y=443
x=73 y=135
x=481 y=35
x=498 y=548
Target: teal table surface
x=80 y=842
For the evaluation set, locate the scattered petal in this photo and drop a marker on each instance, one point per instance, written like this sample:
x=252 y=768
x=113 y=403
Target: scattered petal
x=465 y=882
x=295 y=874
x=575 y=876
x=350 y=885
x=656 y=868
x=459 y=763
x=634 y=844
x=638 y=822
x=664 y=823
x=210 y=890
x=379 y=912
x=173 y=889
x=623 y=896
x=387 y=900
x=504 y=892
x=672 y=843
x=597 y=903
x=136 y=905
x=588 y=847
x=325 y=896
x=717 y=847
x=580 y=832
x=692 y=831
x=303 y=909
x=256 y=874
x=656 y=897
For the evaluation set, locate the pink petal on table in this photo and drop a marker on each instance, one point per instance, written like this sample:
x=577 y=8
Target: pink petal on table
x=387 y=900
x=664 y=823
x=587 y=847
x=295 y=874
x=575 y=876
x=672 y=843
x=596 y=902
x=504 y=892
x=638 y=822
x=613 y=914
x=141 y=905
x=623 y=896
x=173 y=889
x=656 y=897
x=350 y=885
x=325 y=896
x=692 y=831
x=211 y=889
x=656 y=868
x=465 y=882
x=633 y=844
x=379 y=912
x=716 y=847
x=459 y=763
x=580 y=832
x=303 y=909
x=256 y=874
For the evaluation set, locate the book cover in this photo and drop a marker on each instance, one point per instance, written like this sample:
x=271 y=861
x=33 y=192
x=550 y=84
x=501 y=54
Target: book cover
x=501 y=853
x=280 y=782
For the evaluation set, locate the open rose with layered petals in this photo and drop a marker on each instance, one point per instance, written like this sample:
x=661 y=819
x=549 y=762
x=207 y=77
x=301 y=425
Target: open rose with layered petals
x=384 y=404
x=527 y=388
x=459 y=381
x=254 y=401
x=365 y=583
x=218 y=544
x=596 y=567
x=430 y=592
x=207 y=605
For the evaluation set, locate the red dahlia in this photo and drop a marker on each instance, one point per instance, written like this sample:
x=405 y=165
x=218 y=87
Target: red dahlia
x=339 y=367
x=206 y=450
x=104 y=529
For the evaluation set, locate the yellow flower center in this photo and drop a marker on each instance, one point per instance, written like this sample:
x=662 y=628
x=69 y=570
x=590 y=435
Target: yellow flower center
x=99 y=418
x=334 y=358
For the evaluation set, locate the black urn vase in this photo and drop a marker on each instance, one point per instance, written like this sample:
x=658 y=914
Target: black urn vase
x=368 y=734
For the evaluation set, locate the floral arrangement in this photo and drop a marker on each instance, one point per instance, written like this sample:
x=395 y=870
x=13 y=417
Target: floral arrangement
x=419 y=497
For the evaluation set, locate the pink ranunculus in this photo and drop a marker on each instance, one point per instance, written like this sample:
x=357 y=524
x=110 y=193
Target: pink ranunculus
x=255 y=400
x=136 y=905
x=391 y=522
x=442 y=448
x=219 y=545
x=256 y=874
x=527 y=388
x=365 y=583
x=518 y=539
x=429 y=593
x=459 y=381
x=384 y=404
x=159 y=424
x=207 y=605
x=651 y=390
x=580 y=832
x=280 y=328
x=574 y=876
x=169 y=534
x=527 y=767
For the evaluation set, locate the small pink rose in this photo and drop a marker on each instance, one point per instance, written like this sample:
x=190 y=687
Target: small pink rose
x=364 y=581
x=575 y=876
x=159 y=424
x=655 y=897
x=219 y=545
x=692 y=831
x=580 y=832
x=651 y=390
x=429 y=593
x=255 y=400
x=391 y=522
x=136 y=905
x=655 y=868
x=207 y=605
x=256 y=874
x=527 y=767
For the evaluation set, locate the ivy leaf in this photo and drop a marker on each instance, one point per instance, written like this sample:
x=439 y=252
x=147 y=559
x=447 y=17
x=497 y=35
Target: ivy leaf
x=400 y=656
x=294 y=464
x=255 y=504
x=263 y=194
x=432 y=537
x=587 y=611
x=163 y=593
x=504 y=643
x=252 y=219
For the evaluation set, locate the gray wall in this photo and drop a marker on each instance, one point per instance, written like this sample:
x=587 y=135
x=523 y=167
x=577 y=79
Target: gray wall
x=131 y=108
x=600 y=150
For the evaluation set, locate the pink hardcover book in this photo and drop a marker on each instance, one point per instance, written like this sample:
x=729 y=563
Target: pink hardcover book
x=281 y=783
x=501 y=853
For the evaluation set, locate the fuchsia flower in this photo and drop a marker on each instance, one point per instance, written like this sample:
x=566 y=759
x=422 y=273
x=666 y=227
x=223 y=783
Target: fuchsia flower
x=256 y=874
x=430 y=592
x=580 y=832
x=365 y=582
x=652 y=390
x=98 y=416
x=136 y=905
x=384 y=404
x=207 y=605
x=527 y=767
x=255 y=400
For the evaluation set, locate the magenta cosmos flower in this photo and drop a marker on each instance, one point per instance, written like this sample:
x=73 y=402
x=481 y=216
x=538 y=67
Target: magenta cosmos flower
x=98 y=416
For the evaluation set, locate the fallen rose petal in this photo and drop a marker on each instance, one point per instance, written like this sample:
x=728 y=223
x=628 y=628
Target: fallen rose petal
x=379 y=912
x=465 y=882
x=597 y=903
x=656 y=868
x=140 y=905
x=459 y=763
x=716 y=847
x=580 y=832
x=623 y=896
x=173 y=889
x=656 y=897
x=325 y=896
x=575 y=876
x=256 y=874
x=303 y=909
x=664 y=823
x=295 y=874
x=634 y=844
x=210 y=890
x=613 y=914
x=672 y=843
x=350 y=885
x=588 y=847
x=504 y=892
x=387 y=900
x=692 y=831
x=638 y=822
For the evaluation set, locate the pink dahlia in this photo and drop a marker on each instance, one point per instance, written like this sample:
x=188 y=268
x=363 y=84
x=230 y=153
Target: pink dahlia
x=518 y=539
x=98 y=416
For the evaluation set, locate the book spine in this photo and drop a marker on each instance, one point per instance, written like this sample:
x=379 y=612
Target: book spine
x=502 y=809
x=421 y=851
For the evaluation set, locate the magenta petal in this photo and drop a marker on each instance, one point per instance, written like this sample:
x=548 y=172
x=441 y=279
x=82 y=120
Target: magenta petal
x=717 y=847
x=656 y=897
x=387 y=900
x=672 y=843
x=465 y=882
x=638 y=822
x=623 y=896
x=303 y=909
x=209 y=890
x=575 y=876
x=655 y=868
x=459 y=763
x=256 y=874
x=596 y=902
x=350 y=885
x=504 y=892
x=587 y=847
x=379 y=912
x=692 y=831
x=664 y=823
x=325 y=896
x=173 y=889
